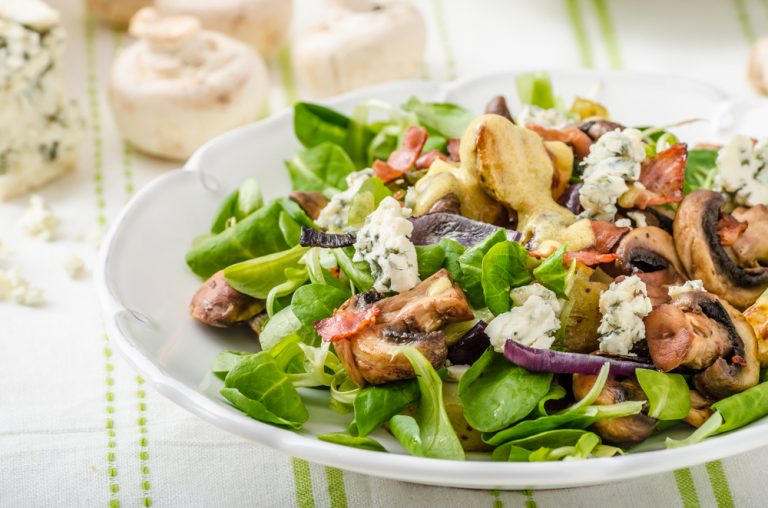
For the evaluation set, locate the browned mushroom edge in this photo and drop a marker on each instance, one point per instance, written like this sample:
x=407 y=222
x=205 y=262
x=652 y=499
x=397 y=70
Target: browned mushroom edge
x=412 y=318
x=311 y=202
x=596 y=128
x=216 y=303
x=623 y=431
x=704 y=257
x=649 y=252
x=498 y=106
x=705 y=334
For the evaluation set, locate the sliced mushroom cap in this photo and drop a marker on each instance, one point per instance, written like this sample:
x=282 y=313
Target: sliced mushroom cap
x=217 y=303
x=627 y=430
x=412 y=318
x=700 y=409
x=700 y=331
x=596 y=128
x=447 y=204
x=751 y=246
x=705 y=258
x=649 y=252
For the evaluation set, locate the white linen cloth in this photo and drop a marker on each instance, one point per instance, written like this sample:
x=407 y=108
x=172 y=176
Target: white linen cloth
x=79 y=428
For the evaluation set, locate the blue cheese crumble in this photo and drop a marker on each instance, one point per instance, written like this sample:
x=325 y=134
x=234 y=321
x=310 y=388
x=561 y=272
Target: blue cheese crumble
x=743 y=171
x=613 y=160
x=335 y=214
x=688 y=287
x=623 y=306
x=532 y=322
x=547 y=118
x=384 y=243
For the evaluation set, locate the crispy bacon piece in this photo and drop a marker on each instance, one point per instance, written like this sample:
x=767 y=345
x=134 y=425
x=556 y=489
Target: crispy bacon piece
x=346 y=322
x=570 y=135
x=729 y=228
x=663 y=177
x=589 y=257
x=453 y=149
x=402 y=159
x=607 y=235
x=428 y=158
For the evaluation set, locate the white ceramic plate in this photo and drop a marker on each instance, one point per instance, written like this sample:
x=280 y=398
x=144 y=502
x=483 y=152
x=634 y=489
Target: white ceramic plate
x=145 y=285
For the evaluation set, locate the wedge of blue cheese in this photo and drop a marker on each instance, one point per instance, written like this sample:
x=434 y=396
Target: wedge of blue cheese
x=40 y=127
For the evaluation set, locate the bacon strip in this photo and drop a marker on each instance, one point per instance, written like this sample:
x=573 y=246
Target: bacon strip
x=570 y=135
x=428 y=158
x=404 y=158
x=345 y=323
x=607 y=235
x=453 y=149
x=729 y=228
x=589 y=257
x=663 y=178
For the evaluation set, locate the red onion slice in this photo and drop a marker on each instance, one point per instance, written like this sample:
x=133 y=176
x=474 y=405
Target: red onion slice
x=559 y=362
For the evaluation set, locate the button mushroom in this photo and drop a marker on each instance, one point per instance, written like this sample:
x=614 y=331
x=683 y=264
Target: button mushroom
x=705 y=257
x=751 y=245
x=498 y=106
x=703 y=333
x=118 y=12
x=623 y=431
x=261 y=23
x=412 y=318
x=218 y=304
x=179 y=86
x=311 y=202
x=649 y=252
x=352 y=49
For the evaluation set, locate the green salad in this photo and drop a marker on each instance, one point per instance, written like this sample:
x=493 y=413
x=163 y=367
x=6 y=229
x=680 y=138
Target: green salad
x=537 y=283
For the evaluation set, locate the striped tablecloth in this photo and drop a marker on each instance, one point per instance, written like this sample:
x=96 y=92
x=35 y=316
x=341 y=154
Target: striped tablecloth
x=79 y=428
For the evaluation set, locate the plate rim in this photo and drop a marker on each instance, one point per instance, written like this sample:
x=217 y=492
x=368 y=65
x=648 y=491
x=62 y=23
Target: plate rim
x=466 y=474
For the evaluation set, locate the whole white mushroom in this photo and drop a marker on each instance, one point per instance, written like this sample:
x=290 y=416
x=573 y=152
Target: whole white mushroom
x=263 y=24
x=179 y=86
x=118 y=12
x=361 y=44
x=757 y=72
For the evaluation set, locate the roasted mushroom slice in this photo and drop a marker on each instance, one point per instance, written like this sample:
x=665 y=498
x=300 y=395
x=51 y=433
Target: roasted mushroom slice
x=624 y=431
x=217 y=303
x=596 y=128
x=498 y=106
x=649 y=252
x=703 y=333
x=311 y=202
x=412 y=318
x=700 y=409
x=705 y=257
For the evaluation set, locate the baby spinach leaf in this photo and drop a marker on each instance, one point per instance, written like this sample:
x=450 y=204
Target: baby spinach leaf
x=668 y=394
x=314 y=302
x=549 y=439
x=430 y=259
x=556 y=392
x=504 y=267
x=249 y=198
x=743 y=408
x=376 y=404
x=258 y=276
x=382 y=145
x=225 y=361
x=700 y=170
x=364 y=443
x=314 y=124
x=367 y=199
x=283 y=324
x=294 y=278
x=453 y=251
x=226 y=211
x=552 y=274
x=406 y=430
x=438 y=438
x=496 y=393
x=322 y=168
x=471 y=268
x=445 y=119
x=256 y=235
x=509 y=453
x=535 y=89
x=359 y=272
x=295 y=212
x=288 y=354
x=290 y=229
x=257 y=386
